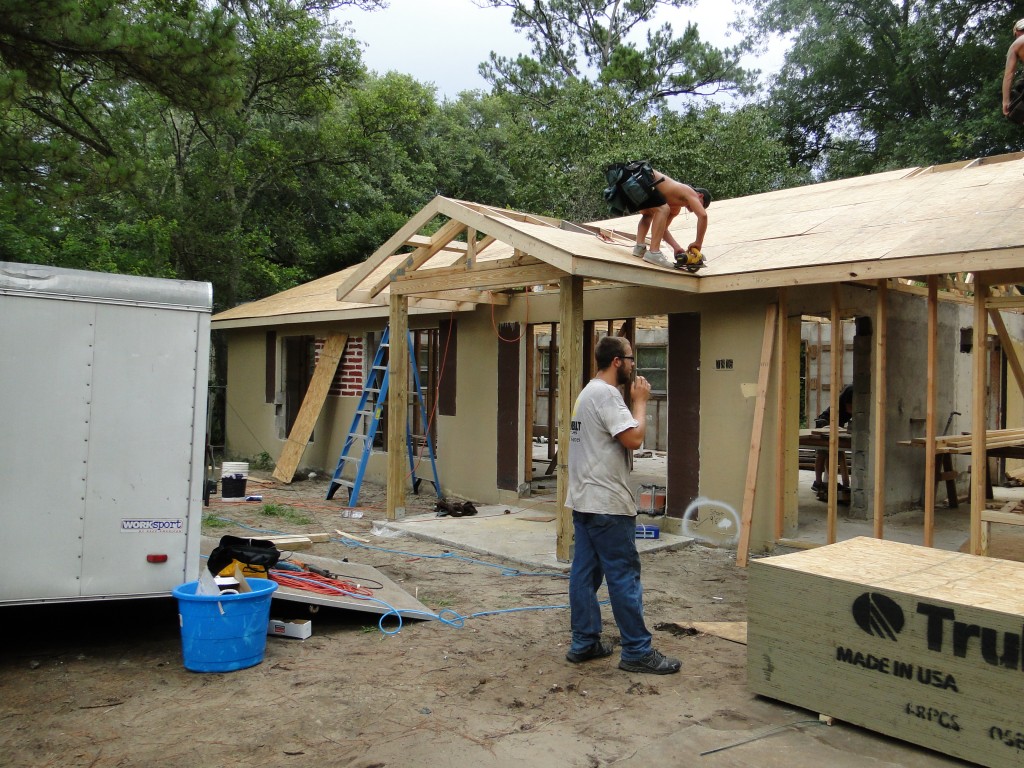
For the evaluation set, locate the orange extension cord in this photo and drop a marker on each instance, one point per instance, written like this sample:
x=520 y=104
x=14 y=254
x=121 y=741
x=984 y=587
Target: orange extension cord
x=314 y=582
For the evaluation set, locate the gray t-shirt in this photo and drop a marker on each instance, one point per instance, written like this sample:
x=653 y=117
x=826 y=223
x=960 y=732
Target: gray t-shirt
x=598 y=468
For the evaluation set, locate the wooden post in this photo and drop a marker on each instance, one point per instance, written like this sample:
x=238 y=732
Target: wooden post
x=531 y=401
x=836 y=379
x=979 y=459
x=570 y=367
x=881 y=330
x=756 y=431
x=781 y=390
x=587 y=370
x=553 y=382
x=471 y=248
x=398 y=408
x=929 y=421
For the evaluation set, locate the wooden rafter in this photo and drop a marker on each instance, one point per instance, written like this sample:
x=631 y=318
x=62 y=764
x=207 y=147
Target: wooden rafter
x=423 y=241
x=396 y=241
x=420 y=256
x=492 y=225
x=478 y=279
x=450 y=301
x=485 y=270
x=1009 y=349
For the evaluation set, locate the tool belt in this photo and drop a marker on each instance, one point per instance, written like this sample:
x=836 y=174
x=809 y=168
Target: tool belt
x=631 y=187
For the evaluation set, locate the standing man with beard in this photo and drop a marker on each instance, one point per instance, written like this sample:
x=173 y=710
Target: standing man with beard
x=603 y=430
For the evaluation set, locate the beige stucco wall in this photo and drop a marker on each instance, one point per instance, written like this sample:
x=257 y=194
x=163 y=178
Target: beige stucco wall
x=466 y=452
x=732 y=327
x=249 y=420
x=252 y=424
x=466 y=458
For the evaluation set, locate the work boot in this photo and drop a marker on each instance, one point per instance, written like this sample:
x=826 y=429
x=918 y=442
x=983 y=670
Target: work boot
x=598 y=650
x=654 y=663
x=657 y=257
x=639 y=250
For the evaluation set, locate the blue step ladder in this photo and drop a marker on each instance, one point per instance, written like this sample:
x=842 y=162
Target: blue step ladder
x=366 y=422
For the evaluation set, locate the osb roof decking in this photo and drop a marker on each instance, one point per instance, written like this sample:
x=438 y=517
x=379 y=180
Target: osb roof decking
x=958 y=218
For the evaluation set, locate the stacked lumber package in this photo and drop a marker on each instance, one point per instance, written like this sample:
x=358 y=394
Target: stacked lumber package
x=916 y=643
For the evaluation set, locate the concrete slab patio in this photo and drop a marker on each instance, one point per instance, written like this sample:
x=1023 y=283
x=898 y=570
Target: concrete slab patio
x=519 y=534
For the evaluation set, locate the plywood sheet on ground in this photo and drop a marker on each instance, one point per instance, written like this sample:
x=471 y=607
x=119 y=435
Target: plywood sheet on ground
x=734 y=631
x=387 y=597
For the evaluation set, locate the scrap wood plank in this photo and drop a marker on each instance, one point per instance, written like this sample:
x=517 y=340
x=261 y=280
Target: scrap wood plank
x=734 y=631
x=312 y=403
x=1009 y=513
x=994 y=438
x=297 y=541
x=743 y=548
x=1009 y=349
x=350 y=536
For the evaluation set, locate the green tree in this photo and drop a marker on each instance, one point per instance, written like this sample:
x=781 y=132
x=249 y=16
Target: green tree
x=551 y=160
x=874 y=84
x=63 y=64
x=574 y=40
x=235 y=182
x=589 y=95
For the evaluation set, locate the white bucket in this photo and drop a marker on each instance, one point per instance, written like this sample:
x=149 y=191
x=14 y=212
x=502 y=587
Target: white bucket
x=233 y=468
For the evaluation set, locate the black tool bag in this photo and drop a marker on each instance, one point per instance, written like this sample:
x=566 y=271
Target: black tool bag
x=631 y=187
x=255 y=556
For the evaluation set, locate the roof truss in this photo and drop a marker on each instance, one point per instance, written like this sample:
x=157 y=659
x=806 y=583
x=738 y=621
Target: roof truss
x=445 y=267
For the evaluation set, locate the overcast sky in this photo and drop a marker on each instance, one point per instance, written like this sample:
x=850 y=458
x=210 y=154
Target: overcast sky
x=444 y=41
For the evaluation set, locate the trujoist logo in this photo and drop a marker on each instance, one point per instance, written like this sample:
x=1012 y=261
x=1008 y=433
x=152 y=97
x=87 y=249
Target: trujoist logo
x=878 y=615
x=882 y=617
x=965 y=639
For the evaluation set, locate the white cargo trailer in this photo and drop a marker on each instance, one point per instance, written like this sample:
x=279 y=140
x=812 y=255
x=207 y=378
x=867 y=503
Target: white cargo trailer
x=103 y=384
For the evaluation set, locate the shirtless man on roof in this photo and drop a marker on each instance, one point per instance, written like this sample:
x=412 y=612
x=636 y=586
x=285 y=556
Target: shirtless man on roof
x=677 y=196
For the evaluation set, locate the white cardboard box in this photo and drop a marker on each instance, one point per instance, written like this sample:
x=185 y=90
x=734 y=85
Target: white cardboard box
x=299 y=628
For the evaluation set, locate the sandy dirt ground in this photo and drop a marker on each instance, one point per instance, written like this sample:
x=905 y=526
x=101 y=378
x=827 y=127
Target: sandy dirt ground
x=104 y=685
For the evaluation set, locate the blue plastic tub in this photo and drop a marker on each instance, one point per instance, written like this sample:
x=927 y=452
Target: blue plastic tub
x=222 y=633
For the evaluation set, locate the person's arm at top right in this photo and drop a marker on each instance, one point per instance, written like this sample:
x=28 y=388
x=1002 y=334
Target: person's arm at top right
x=640 y=393
x=1012 y=57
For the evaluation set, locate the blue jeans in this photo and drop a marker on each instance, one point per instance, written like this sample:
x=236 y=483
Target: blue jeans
x=606 y=548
